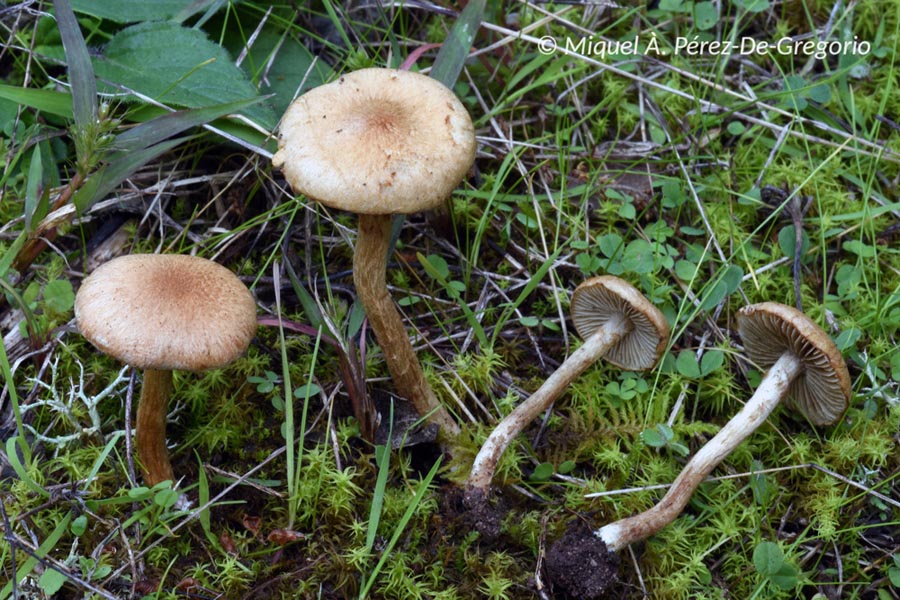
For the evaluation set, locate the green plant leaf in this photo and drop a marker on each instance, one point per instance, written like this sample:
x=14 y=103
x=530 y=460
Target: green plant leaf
x=788 y=242
x=785 y=578
x=455 y=49
x=59 y=296
x=712 y=360
x=78 y=525
x=687 y=365
x=177 y=66
x=542 y=472
x=294 y=65
x=144 y=135
x=48 y=101
x=45 y=547
x=51 y=581
x=105 y=179
x=36 y=203
x=768 y=558
x=653 y=438
x=78 y=63
x=131 y=11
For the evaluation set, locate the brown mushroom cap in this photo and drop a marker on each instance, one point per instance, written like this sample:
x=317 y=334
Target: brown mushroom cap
x=822 y=390
x=376 y=141
x=166 y=312
x=599 y=299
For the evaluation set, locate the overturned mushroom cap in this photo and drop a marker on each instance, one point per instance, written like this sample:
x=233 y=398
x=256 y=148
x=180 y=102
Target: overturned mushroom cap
x=376 y=141
x=599 y=299
x=822 y=389
x=166 y=312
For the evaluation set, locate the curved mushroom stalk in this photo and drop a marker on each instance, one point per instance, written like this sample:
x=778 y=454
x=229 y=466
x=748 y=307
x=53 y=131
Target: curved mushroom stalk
x=617 y=323
x=495 y=445
x=768 y=395
x=804 y=368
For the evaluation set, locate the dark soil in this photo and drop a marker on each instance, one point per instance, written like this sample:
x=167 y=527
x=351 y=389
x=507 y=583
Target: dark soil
x=580 y=566
x=483 y=514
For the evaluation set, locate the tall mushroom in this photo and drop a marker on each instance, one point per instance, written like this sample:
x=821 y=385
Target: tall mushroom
x=805 y=369
x=617 y=323
x=160 y=313
x=379 y=142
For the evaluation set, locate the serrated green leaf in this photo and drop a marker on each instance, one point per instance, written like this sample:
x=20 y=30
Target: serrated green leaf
x=177 y=66
x=131 y=11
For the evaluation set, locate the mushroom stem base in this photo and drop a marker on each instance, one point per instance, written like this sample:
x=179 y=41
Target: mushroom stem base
x=593 y=348
x=150 y=428
x=771 y=390
x=369 y=277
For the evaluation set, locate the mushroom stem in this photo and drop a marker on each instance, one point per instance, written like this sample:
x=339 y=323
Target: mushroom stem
x=150 y=428
x=595 y=346
x=369 y=277
x=770 y=392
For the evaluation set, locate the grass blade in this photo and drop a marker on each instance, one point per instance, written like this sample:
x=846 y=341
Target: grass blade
x=453 y=53
x=401 y=526
x=42 y=551
x=156 y=130
x=81 y=72
x=48 y=101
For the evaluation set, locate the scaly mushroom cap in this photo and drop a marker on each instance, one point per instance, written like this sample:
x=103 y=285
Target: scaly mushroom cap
x=166 y=312
x=376 y=141
x=599 y=299
x=822 y=390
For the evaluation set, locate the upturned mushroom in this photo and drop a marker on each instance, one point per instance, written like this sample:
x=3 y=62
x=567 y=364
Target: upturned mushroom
x=617 y=323
x=805 y=369
x=160 y=313
x=380 y=142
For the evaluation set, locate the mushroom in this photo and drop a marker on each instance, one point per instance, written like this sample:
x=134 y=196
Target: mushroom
x=159 y=313
x=379 y=142
x=618 y=323
x=805 y=369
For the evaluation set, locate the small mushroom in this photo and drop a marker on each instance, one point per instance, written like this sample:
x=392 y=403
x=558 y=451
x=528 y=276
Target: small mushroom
x=160 y=313
x=618 y=323
x=379 y=142
x=805 y=369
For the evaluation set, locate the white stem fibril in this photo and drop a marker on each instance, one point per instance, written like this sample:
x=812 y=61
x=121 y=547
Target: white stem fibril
x=771 y=390
x=593 y=348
